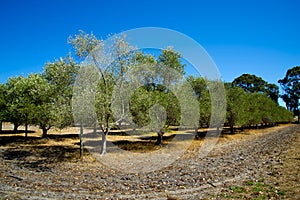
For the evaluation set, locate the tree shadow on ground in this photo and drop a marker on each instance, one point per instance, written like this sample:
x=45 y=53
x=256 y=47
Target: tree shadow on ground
x=40 y=158
x=144 y=144
x=137 y=146
x=148 y=143
x=16 y=140
x=154 y=138
x=15 y=132
x=63 y=136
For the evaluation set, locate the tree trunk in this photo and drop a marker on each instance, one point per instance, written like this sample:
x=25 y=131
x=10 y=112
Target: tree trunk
x=231 y=129
x=196 y=133
x=0 y=126
x=159 y=138
x=45 y=130
x=242 y=128
x=16 y=127
x=196 y=130
x=81 y=141
x=95 y=128
x=26 y=131
x=104 y=141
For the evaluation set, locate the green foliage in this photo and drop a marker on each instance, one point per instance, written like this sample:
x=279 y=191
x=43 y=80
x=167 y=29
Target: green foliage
x=170 y=59
x=291 y=86
x=251 y=83
x=46 y=100
x=83 y=43
x=84 y=91
x=15 y=101
x=43 y=100
x=272 y=91
x=145 y=97
x=252 y=190
x=61 y=75
x=200 y=89
x=110 y=59
x=237 y=105
x=237 y=189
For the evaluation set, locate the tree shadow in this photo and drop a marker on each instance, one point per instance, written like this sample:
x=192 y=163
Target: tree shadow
x=40 y=159
x=11 y=132
x=154 y=138
x=10 y=139
x=200 y=135
x=137 y=146
x=15 y=139
x=63 y=136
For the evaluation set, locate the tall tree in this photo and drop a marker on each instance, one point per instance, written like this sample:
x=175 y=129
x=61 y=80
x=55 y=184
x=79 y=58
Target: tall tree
x=158 y=94
x=272 y=91
x=61 y=75
x=170 y=71
x=85 y=88
x=22 y=95
x=45 y=112
x=252 y=83
x=25 y=98
x=201 y=91
x=237 y=107
x=291 y=87
x=14 y=113
x=110 y=60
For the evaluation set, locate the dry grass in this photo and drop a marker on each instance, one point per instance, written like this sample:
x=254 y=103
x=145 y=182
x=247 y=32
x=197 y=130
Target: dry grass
x=137 y=143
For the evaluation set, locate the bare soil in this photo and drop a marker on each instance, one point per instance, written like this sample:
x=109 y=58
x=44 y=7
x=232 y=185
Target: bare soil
x=253 y=164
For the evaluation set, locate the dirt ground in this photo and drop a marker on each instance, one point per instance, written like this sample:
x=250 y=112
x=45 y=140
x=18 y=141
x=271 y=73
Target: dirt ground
x=254 y=164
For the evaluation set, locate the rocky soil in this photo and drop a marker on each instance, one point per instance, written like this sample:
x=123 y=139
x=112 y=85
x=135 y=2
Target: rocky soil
x=260 y=164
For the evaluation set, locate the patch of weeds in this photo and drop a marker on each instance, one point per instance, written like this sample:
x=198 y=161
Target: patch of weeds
x=273 y=190
x=281 y=193
x=258 y=190
x=237 y=189
x=262 y=197
x=258 y=187
x=228 y=196
x=249 y=183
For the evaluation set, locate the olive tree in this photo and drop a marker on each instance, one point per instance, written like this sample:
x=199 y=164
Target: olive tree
x=237 y=107
x=14 y=105
x=110 y=61
x=155 y=105
x=61 y=75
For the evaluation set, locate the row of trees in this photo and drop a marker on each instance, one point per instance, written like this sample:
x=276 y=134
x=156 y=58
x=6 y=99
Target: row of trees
x=40 y=99
x=245 y=106
x=46 y=99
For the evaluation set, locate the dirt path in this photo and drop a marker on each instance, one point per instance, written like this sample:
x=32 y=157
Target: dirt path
x=262 y=164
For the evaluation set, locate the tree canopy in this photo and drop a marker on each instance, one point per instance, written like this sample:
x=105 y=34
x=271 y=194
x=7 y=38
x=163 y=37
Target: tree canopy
x=252 y=83
x=291 y=89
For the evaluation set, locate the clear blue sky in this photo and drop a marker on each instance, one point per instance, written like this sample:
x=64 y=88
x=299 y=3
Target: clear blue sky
x=256 y=37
